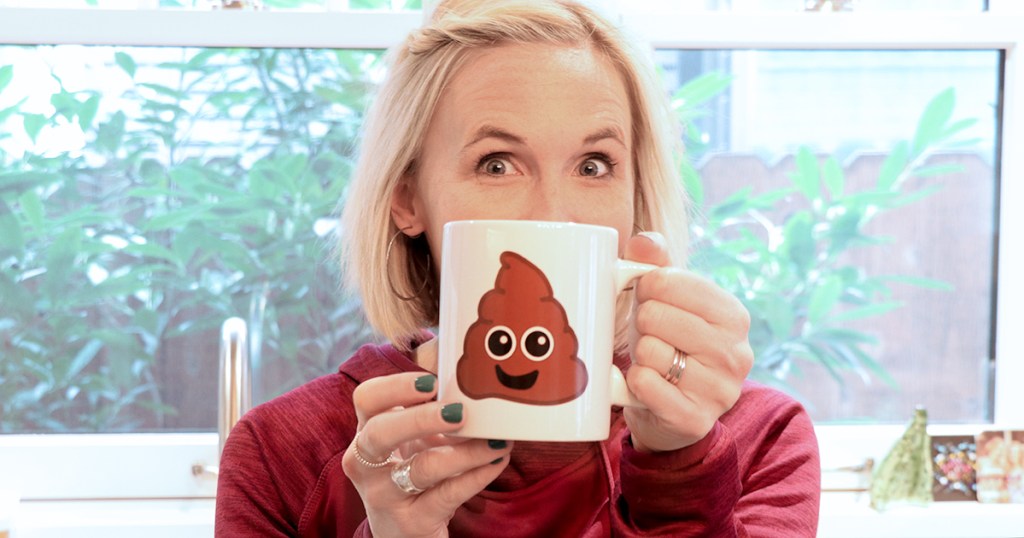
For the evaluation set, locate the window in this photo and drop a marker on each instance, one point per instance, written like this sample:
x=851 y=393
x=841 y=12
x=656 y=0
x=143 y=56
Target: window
x=878 y=248
x=745 y=118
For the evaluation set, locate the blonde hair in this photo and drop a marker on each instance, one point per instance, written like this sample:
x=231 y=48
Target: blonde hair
x=419 y=70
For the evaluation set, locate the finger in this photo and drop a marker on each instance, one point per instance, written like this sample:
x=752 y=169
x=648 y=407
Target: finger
x=448 y=495
x=438 y=464
x=390 y=430
x=647 y=247
x=679 y=328
x=712 y=387
x=692 y=292
x=653 y=352
x=672 y=419
x=380 y=394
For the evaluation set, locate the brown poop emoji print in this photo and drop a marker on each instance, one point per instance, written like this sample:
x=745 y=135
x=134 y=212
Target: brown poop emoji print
x=521 y=347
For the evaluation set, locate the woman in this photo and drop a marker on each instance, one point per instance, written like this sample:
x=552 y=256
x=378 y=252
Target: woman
x=520 y=109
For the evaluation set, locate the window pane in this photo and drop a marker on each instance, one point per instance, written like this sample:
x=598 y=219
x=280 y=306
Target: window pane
x=146 y=195
x=302 y=5
x=670 y=6
x=848 y=197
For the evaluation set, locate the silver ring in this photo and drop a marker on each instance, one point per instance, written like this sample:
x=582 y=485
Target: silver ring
x=401 y=475
x=675 y=372
x=371 y=464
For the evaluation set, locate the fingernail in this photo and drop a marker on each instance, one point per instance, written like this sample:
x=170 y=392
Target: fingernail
x=425 y=383
x=497 y=461
x=452 y=413
x=496 y=444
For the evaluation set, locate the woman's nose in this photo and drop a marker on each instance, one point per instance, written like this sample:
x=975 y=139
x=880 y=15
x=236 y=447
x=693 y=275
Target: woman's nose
x=549 y=201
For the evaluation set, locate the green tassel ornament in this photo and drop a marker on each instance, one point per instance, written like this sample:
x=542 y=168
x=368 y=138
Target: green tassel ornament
x=905 y=475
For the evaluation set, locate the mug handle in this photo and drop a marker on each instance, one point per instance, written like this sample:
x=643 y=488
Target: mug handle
x=625 y=272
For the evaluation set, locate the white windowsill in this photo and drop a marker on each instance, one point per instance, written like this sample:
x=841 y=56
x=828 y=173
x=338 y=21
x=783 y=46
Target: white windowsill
x=847 y=515
x=842 y=515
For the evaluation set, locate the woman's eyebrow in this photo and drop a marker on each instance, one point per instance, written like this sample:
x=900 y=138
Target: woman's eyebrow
x=490 y=131
x=613 y=133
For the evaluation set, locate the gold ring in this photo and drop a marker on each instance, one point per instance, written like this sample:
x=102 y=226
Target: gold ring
x=371 y=464
x=675 y=372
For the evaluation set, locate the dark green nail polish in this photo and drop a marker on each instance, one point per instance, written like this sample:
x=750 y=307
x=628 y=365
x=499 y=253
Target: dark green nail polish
x=496 y=444
x=452 y=413
x=425 y=383
x=497 y=461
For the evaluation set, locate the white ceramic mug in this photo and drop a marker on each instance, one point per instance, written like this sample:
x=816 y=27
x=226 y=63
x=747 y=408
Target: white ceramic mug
x=527 y=328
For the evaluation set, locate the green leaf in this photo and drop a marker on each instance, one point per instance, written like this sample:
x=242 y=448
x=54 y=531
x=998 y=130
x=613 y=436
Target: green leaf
x=893 y=166
x=59 y=262
x=33 y=123
x=18 y=182
x=32 y=208
x=6 y=74
x=932 y=124
x=777 y=312
x=915 y=196
x=798 y=242
x=202 y=57
x=867 y=311
x=82 y=359
x=937 y=170
x=65 y=103
x=844 y=229
x=111 y=133
x=330 y=95
x=735 y=204
x=10 y=111
x=154 y=250
x=173 y=220
x=11 y=238
x=805 y=178
x=87 y=112
x=692 y=183
x=126 y=62
x=833 y=176
x=162 y=90
x=701 y=89
x=824 y=297
x=958 y=126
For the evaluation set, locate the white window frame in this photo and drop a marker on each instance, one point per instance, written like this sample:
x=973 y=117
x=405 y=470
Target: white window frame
x=158 y=466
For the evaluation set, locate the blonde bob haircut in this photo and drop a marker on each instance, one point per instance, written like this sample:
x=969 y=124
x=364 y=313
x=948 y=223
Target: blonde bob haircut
x=418 y=71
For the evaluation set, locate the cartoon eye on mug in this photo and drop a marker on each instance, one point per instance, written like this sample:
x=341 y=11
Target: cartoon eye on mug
x=521 y=347
x=501 y=342
x=537 y=343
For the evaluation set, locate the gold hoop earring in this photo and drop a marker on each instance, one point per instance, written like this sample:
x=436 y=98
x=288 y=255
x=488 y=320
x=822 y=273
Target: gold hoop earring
x=387 y=270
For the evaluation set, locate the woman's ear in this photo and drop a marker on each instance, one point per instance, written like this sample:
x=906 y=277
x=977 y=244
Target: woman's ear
x=406 y=209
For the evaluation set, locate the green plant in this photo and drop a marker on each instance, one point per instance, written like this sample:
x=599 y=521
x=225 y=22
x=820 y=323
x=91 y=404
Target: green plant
x=113 y=257
x=784 y=251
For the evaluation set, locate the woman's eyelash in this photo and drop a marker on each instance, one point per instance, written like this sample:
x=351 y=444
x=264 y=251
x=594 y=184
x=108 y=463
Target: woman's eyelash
x=488 y=157
x=602 y=156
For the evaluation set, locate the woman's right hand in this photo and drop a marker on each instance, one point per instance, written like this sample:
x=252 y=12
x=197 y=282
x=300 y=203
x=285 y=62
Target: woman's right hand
x=396 y=413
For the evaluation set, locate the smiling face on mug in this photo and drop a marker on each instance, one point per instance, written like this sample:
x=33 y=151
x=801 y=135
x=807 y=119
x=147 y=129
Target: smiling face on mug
x=525 y=131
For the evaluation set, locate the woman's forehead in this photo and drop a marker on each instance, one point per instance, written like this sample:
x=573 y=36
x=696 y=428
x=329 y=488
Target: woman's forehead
x=530 y=84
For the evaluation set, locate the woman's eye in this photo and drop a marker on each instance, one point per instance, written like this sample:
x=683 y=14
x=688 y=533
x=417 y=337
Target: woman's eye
x=593 y=167
x=496 y=166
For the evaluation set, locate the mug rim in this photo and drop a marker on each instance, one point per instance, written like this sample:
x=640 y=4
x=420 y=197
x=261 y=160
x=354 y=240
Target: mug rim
x=529 y=223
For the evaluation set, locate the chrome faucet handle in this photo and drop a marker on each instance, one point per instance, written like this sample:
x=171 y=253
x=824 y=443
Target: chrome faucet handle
x=234 y=390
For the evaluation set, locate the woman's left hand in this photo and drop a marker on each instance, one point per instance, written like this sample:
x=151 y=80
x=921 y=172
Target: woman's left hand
x=678 y=309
